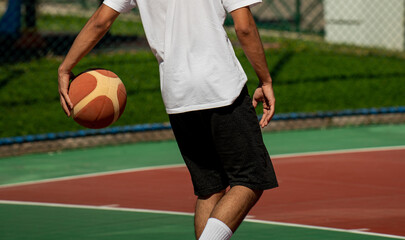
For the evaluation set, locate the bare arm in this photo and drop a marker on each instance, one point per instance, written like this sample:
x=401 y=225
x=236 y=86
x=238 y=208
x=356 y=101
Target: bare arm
x=250 y=41
x=89 y=36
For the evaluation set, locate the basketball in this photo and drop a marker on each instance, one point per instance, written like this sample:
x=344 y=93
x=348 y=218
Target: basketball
x=99 y=98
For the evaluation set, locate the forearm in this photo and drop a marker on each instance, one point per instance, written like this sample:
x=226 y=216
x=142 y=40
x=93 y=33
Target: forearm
x=89 y=36
x=250 y=41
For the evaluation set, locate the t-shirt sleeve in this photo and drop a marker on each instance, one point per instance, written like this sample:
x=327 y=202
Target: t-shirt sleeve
x=120 y=6
x=231 y=5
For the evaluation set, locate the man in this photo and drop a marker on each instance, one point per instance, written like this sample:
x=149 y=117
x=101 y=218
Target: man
x=203 y=88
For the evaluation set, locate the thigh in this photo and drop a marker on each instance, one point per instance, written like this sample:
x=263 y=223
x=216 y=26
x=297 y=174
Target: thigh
x=193 y=136
x=239 y=145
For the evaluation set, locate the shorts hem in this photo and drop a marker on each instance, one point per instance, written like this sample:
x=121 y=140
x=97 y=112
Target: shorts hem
x=210 y=191
x=254 y=186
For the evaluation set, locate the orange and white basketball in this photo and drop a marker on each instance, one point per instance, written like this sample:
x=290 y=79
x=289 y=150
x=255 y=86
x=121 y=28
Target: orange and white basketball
x=99 y=98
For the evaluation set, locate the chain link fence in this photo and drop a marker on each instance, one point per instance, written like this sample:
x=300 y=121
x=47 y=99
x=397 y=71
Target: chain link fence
x=366 y=23
x=316 y=46
x=32 y=28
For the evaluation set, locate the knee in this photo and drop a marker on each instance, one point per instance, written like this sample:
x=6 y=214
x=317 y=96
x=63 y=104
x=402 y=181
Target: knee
x=253 y=194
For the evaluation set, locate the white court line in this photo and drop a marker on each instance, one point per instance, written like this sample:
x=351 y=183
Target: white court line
x=107 y=208
x=274 y=157
x=360 y=230
x=191 y=214
x=331 y=152
x=324 y=228
x=89 y=175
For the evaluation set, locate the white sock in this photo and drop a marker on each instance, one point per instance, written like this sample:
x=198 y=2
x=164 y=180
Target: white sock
x=216 y=230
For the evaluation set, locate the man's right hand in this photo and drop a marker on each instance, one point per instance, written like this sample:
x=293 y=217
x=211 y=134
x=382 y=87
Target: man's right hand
x=265 y=94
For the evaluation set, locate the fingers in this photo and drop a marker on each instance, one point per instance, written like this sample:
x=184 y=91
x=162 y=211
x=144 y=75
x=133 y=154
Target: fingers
x=272 y=111
x=265 y=118
x=64 y=106
x=67 y=99
x=254 y=103
x=66 y=103
x=268 y=112
x=268 y=101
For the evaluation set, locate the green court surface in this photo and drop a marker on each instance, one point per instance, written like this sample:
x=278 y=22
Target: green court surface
x=32 y=221
x=38 y=222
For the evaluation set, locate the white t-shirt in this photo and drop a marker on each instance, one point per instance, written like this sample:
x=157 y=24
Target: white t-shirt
x=198 y=66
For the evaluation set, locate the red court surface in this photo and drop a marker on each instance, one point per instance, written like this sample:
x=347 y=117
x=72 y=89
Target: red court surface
x=353 y=190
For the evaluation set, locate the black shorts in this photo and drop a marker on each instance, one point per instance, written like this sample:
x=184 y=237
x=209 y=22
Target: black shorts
x=224 y=147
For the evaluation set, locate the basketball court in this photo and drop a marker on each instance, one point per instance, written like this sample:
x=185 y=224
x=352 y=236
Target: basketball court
x=334 y=184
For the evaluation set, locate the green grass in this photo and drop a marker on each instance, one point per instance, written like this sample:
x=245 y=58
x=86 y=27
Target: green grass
x=308 y=76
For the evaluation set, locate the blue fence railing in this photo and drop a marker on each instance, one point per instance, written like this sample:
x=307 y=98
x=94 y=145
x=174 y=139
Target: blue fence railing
x=164 y=126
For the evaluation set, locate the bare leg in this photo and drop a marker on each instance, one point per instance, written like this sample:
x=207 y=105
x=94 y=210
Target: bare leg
x=233 y=207
x=203 y=209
